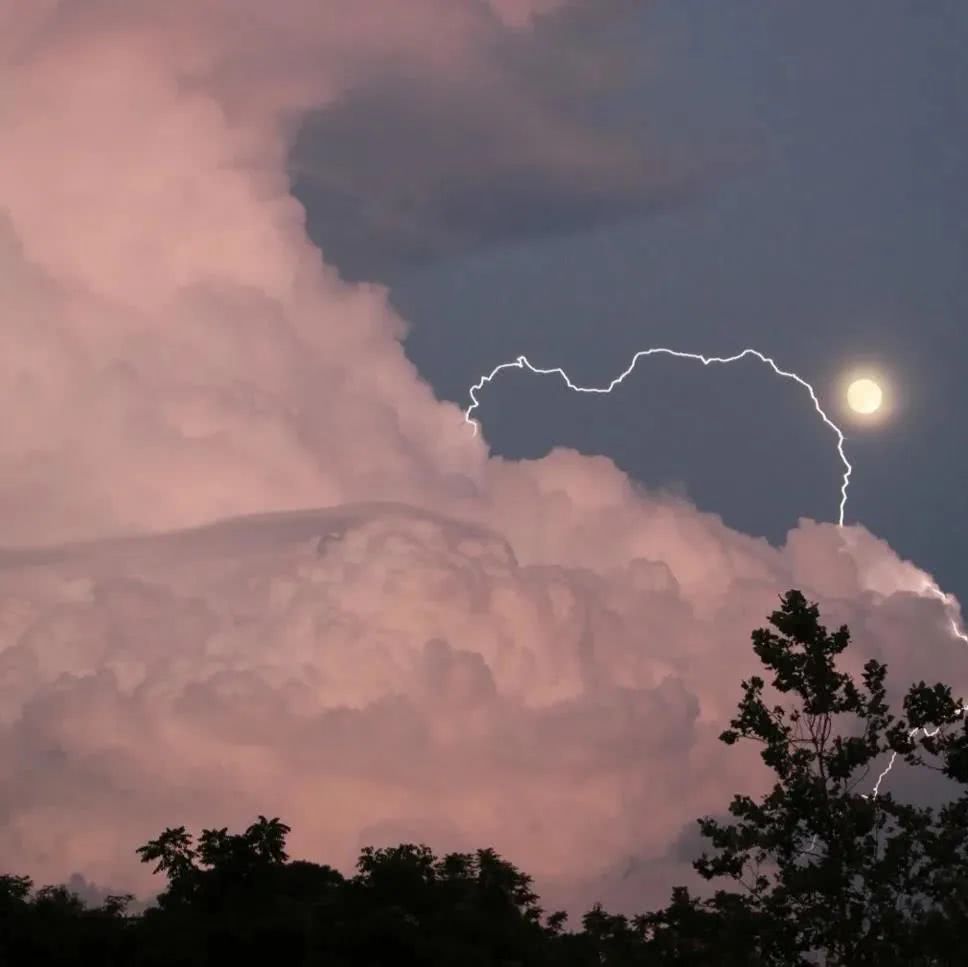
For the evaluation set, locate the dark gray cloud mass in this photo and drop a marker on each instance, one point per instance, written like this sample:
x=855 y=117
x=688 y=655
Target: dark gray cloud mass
x=406 y=170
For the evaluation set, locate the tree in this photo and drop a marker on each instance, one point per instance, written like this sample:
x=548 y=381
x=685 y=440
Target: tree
x=14 y=891
x=826 y=871
x=724 y=931
x=267 y=838
x=940 y=731
x=406 y=905
x=173 y=851
x=174 y=856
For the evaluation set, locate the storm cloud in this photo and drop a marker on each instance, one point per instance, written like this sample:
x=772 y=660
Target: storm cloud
x=252 y=564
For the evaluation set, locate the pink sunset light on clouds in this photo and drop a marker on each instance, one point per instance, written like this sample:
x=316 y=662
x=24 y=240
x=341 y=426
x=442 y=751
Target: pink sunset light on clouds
x=252 y=564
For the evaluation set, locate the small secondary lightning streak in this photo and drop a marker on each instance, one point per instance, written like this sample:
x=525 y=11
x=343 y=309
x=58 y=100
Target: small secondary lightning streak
x=911 y=734
x=934 y=590
x=522 y=362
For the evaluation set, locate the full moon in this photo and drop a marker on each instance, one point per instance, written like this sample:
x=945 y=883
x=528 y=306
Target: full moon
x=864 y=396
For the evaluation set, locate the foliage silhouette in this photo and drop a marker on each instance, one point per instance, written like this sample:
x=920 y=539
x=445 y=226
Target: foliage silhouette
x=827 y=873
x=819 y=870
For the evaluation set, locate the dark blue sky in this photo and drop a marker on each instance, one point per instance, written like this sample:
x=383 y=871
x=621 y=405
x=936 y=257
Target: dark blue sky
x=820 y=216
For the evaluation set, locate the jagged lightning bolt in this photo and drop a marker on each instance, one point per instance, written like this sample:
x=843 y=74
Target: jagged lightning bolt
x=522 y=362
x=934 y=590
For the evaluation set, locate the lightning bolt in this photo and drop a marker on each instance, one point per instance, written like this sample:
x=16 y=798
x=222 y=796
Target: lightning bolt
x=890 y=765
x=522 y=362
x=934 y=590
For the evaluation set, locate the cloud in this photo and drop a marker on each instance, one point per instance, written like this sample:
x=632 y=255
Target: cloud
x=506 y=150
x=536 y=655
x=377 y=671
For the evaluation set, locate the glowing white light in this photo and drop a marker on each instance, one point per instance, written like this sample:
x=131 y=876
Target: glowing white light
x=863 y=395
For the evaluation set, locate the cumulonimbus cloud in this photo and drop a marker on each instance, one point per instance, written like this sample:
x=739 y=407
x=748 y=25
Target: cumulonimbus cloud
x=458 y=648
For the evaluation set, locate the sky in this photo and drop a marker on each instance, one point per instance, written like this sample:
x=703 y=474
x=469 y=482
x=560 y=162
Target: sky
x=826 y=228
x=253 y=560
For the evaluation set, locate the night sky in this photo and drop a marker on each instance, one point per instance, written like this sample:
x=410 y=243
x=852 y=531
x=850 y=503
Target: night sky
x=810 y=202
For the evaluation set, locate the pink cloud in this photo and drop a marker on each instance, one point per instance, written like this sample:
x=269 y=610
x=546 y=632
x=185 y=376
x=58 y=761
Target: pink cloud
x=375 y=671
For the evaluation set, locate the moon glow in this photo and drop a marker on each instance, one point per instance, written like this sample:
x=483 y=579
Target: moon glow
x=864 y=396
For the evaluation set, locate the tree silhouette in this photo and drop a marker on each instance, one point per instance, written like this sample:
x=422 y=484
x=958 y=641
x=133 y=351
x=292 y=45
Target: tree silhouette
x=824 y=868
x=268 y=839
x=819 y=870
